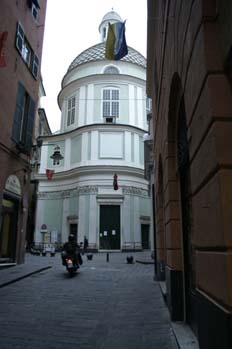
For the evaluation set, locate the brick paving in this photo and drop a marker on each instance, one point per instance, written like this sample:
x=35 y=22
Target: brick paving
x=106 y=305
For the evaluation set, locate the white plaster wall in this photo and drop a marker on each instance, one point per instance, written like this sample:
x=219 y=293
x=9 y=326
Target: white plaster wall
x=136 y=150
x=111 y=145
x=131 y=105
x=140 y=107
x=125 y=217
x=90 y=104
x=137 y=227
x=39 y=220
x=93 y=220
x=94 y=146
x=82 y=106
x=81 y=215
x=84 y=149
x=67 y=154
x=62 y=121
x=127 y=138
x=43 y=159
x=65 y=225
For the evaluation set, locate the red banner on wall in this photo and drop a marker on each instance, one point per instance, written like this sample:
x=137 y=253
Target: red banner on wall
x=49 y=173
x=3 y=37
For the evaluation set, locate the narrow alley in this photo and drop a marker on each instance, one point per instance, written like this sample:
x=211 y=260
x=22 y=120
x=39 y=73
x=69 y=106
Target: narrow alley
x=105 y=305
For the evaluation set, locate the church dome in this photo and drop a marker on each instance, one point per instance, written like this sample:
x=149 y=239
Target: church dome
x=97 y=53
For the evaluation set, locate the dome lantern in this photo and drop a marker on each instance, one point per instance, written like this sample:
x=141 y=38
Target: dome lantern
x=111 y=17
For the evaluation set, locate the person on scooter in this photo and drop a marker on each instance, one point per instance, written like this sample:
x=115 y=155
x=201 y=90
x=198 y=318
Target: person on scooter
x=71 y=248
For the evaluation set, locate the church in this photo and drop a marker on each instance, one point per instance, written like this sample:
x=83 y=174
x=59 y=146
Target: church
x=97 y=187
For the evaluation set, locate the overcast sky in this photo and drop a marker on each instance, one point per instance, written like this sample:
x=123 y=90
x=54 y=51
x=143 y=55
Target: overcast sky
x=71 y=27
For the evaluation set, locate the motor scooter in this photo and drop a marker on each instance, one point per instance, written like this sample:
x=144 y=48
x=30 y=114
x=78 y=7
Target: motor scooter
x=70 y=263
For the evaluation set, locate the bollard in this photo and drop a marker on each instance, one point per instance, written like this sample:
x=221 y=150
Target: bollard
x=107 y=256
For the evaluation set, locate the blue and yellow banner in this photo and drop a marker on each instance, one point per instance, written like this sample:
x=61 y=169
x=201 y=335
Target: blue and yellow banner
x=116 y=47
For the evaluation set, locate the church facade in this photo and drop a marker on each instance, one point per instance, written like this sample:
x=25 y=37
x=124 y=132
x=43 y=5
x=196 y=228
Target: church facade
x=98 y=189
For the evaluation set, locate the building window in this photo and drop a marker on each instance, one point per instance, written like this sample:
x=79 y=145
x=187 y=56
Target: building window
x=35 y=12
x=26 y=52
x=110 y=103
x=23 y=123
x=148 y=104
x=35 y=66
x=71 y=111
x=104 y=32
x=34 y=3
x=111 y=70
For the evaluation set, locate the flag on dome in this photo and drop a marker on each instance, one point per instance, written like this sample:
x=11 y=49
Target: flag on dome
x=116 y=47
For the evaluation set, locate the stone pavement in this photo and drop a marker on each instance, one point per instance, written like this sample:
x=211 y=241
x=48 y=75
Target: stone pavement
x=154 y=326
x=36 y=264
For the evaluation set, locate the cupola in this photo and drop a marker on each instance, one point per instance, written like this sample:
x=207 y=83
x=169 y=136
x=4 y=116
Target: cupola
x=110 y=17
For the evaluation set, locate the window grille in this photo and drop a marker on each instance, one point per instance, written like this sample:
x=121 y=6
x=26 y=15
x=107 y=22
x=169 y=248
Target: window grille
x=110 y=106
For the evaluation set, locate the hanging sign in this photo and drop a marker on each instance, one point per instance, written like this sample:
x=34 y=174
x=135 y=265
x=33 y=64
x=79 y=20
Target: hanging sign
x=54 y=235
x=43 y=228
x=13 y=185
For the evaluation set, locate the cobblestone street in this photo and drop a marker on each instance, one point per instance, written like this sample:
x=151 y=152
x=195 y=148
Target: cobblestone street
x=106 y=305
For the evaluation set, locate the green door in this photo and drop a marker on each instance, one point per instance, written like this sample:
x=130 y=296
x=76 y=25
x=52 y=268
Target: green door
x=109 y=227
x=145 y=236
x=8 y=229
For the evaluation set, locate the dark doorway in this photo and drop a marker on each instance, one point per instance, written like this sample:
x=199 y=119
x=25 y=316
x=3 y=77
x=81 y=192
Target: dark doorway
x=8 y=234
x=109 y=227
x=145 y=236
x=185 y=194
x=73 y=230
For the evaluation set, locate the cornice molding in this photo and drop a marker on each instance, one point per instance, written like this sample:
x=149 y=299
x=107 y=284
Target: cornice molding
x=89 y=190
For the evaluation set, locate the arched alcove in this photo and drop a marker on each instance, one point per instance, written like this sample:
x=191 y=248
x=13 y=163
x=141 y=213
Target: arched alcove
x=160 y=236
x=178 y=194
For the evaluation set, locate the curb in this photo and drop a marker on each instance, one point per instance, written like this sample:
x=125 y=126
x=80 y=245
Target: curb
x=184 y=336
x=24 y=276
x=144 y=262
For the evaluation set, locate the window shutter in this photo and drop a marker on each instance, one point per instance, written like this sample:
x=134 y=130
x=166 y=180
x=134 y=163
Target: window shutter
x=18 y=116
x=19 y=40
x=35 y=66
x=30 y=126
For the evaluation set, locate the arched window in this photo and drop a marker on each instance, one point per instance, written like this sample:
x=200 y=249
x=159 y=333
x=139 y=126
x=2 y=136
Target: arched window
x=111 y=70
x=104 y=32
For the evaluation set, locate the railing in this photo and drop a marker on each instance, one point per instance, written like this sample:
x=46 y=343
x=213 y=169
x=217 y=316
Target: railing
x=38 y=248
x=132 y=246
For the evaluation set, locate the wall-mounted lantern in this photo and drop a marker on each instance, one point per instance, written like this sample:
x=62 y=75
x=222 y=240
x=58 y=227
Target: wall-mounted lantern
x=56 y=156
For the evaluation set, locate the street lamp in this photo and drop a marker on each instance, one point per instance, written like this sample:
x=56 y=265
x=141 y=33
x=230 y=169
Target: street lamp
x=56 y=156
